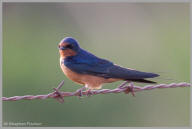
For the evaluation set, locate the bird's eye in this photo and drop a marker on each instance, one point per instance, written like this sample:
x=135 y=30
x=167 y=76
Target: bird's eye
x=69 y=46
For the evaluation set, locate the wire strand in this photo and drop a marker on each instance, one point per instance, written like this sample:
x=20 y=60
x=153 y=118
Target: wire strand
x=125 y=87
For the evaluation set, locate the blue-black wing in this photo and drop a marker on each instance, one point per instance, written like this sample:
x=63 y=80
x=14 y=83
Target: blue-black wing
x=97 y=67
x=93 y=65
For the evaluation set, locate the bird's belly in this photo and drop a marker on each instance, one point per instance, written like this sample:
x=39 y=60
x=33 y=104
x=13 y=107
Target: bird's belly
x=93 y=82
x=72 y=75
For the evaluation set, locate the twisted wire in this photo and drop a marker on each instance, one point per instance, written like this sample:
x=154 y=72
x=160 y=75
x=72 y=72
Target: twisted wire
x=59 y=95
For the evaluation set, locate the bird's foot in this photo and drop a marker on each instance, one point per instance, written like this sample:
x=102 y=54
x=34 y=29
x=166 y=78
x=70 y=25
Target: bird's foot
x=129 y=89
x=79 y=92
x=89 y=92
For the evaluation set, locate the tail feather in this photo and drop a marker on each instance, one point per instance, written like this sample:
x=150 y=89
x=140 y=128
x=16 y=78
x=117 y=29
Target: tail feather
x=129 y=74
x=141 y=81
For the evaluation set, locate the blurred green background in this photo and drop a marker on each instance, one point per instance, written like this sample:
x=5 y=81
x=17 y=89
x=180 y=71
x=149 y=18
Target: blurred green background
x=151 y=37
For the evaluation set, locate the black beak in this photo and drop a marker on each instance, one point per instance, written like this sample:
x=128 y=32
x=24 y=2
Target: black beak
x=62 y=48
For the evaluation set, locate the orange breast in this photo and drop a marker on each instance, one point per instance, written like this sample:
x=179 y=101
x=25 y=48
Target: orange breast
x=93 y=82
x=71 y=75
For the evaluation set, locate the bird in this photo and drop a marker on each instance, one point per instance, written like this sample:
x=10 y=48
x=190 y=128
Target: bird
x=91 y=71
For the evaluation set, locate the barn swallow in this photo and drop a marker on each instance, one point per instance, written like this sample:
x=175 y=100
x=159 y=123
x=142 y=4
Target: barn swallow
x=91 y=71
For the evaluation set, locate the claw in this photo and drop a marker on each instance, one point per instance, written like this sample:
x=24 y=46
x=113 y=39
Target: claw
x=130 y=89
x=89 y=92
x=79 y=92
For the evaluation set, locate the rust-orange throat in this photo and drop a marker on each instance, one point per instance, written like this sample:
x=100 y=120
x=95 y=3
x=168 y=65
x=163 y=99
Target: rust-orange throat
x=65 y=50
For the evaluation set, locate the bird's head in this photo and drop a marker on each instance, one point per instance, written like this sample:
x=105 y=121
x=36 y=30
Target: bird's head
x=68 y=47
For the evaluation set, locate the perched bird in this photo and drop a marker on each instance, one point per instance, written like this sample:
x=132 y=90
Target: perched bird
x=85 y=68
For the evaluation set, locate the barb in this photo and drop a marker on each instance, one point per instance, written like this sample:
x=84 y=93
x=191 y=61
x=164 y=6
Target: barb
x=59 y=95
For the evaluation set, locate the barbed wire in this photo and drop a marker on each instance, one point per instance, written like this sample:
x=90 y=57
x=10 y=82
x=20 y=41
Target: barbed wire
x=125 y=87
